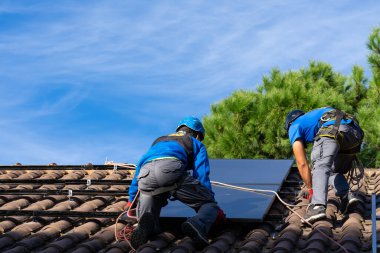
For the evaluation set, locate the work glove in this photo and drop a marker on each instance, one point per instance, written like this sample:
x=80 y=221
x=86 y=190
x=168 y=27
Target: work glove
x=220 y=218
x=307 y=194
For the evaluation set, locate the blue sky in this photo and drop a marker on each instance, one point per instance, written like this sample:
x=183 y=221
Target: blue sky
x=86 y=81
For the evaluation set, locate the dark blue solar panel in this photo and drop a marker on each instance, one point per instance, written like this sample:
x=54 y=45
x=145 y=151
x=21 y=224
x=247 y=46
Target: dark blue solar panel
x=245 y=171
x=241 y=205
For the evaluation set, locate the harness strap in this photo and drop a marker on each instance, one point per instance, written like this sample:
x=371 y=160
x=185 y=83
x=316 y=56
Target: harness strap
x=185 y=140
x=338 y=118
x=331 y=131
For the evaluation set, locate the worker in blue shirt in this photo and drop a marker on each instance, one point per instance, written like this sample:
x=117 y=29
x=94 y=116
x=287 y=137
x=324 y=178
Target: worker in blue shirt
x=176 y=167
x=336 y=138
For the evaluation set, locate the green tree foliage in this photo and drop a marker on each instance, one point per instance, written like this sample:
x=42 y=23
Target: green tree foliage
x=369 y=108
x=356 y=89
x=249 y=124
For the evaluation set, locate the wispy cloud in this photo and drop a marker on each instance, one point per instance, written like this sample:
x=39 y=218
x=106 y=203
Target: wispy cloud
x=30 y=104
x=28 y=147
x=71 y=71
x=169 y=40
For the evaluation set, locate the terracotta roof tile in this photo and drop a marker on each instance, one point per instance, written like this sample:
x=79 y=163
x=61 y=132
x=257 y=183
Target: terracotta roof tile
x=281 y=231
x=158 y=243
x=99 y=241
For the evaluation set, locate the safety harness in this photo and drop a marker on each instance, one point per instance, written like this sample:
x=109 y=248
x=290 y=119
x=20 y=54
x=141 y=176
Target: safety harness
x=184 y=139
x=332 y=131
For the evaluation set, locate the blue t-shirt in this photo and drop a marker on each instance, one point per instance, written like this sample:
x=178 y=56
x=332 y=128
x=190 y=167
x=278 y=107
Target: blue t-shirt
x=306 y=126
x=201 y=166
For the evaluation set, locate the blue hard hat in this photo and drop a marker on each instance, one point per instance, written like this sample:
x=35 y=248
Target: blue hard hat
x=292 y=116
x=192 y=123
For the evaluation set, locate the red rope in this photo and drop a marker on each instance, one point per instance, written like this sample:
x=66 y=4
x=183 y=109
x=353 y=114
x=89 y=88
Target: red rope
x=125 y=233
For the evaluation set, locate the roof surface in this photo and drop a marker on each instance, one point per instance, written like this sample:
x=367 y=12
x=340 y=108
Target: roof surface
x=281 y=231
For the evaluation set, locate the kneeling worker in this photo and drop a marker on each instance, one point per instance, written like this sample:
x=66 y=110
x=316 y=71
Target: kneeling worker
x=175 y=166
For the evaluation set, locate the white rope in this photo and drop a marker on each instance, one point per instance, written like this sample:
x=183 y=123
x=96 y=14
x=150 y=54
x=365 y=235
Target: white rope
x=259 y=191
x=287 y=205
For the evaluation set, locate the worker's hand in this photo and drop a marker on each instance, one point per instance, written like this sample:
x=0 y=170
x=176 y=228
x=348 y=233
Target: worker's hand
x=128 y=205
x=220 y=218
x=307 y=194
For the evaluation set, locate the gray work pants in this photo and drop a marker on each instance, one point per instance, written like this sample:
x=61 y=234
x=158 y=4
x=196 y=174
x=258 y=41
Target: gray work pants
x=329 y=163
x=166 y=172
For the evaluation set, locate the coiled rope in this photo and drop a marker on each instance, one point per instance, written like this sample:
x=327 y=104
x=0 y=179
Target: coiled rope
x=125 y=233
x=356 y=174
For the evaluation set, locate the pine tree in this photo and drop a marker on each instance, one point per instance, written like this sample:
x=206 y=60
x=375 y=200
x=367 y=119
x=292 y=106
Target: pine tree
x=369 y=108
x=249 y=124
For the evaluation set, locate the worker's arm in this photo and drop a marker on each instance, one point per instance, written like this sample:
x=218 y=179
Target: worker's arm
x=133 y=187
x=302 y=165
x=201 y=165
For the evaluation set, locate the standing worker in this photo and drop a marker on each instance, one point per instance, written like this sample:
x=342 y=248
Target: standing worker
x=175 y=166
x=337 y=139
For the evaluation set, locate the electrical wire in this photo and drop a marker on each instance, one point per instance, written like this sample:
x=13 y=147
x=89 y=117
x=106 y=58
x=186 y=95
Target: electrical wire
x=259 y=191
x=287 y=205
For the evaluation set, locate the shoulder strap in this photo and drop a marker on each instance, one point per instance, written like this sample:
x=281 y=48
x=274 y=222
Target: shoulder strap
x=338 y=118
x=331 y=131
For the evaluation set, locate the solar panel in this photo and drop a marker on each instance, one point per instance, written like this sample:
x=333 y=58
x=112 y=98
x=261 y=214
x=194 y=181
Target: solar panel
x=248 y=171
x=240 y=205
